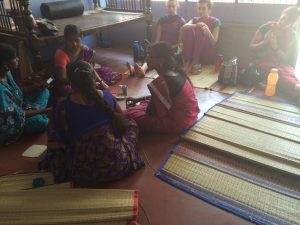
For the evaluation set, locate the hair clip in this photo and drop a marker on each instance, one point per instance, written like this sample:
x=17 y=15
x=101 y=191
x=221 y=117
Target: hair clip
x=77 y=69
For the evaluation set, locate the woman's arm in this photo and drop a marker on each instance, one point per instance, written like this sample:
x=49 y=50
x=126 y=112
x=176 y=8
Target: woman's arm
x=189 y=25
x=118 y=109
x=61 y=75
x=30 y=113
x=282 y=54
x=102 y=84
x=259 y=40
x=35 y=87
x=158 y=33
x=213 y=36
x=61 y=60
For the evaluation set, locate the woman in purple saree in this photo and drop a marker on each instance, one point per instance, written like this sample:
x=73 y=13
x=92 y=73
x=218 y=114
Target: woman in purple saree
x=90 y=141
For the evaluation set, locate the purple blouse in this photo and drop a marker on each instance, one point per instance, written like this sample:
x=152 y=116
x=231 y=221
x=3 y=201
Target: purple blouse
x=170 y=27
x=82 y=118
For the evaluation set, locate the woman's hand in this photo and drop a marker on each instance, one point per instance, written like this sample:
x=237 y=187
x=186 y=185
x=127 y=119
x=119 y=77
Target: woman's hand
x=267 y=37
x=137 y=70
x=273 y=42
x=130 y=101
x=204 y=28
x=84 y=47
x=101 y=85
x=39 y=86
x=30 y=112
x=34 y=87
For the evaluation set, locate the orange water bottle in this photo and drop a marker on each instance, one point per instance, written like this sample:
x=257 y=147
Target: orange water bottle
x=271 y=83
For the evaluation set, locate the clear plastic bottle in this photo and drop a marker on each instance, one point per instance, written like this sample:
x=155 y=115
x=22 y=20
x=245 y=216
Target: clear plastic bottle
x=271 y=83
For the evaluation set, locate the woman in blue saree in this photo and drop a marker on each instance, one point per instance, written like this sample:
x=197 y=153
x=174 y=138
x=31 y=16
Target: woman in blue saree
x=19 y=113
x=90 y=141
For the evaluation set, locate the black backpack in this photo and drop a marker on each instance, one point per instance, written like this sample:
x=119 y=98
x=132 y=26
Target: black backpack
x=251 y=75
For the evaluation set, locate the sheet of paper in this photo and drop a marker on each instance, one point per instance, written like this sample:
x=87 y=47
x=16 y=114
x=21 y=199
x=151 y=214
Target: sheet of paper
x=34 y=151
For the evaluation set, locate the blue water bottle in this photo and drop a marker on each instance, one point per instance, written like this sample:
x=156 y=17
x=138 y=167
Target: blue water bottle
x=136 y=51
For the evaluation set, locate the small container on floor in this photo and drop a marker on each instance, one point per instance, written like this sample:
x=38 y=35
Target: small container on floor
x=196 y=69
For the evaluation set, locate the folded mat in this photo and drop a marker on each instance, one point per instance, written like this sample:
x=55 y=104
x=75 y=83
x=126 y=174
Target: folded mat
x=25 y=181
x=260 y=130
x=68 y=206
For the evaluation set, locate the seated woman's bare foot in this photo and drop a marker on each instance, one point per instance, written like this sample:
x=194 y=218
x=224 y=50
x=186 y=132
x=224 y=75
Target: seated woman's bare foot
x=130 y=69
x=138 y=71
x=135 y=70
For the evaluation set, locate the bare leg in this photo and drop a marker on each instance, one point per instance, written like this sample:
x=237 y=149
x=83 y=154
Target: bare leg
x=187 y=67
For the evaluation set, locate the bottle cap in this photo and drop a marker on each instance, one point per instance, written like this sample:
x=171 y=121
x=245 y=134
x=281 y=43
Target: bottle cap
x=274 y=70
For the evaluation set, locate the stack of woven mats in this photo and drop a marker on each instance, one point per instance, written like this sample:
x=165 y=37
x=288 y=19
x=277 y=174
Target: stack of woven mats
x=243 y=156
x=59 y=204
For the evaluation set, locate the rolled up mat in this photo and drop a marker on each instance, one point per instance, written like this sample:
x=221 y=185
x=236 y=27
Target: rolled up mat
x=62 y=9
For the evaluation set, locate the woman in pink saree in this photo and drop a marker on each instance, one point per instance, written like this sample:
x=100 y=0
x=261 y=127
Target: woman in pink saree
x=275 y=46
x=172 y=106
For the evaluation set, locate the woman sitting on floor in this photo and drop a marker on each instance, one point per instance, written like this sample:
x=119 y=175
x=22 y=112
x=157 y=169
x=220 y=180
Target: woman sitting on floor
x=90 y=141
x=72 y=51
x=275 y=46
x=172 y=106
x=168 y=27
x=199 y=38
x=19 y=114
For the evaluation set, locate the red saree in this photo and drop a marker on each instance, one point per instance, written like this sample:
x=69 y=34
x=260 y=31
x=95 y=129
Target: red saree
x=169 y=115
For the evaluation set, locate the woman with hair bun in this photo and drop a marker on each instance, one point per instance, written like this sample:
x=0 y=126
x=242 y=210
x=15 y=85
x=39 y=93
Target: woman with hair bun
x=90 y=141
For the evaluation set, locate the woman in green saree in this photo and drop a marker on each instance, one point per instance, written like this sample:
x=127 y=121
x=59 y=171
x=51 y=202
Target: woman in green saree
x=18 y=113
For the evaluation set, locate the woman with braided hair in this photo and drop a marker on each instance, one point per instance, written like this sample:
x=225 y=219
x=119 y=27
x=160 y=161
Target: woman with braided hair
x=90 y=141
x=172 y=106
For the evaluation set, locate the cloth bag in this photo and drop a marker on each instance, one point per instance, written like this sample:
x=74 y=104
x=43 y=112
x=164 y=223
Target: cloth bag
x=229 y=72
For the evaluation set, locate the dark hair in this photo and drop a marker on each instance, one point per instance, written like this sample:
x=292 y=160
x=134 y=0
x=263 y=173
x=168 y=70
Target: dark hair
x=293 y=13
x=208 y=2
x=82 y=78
x=164 y=51
x=8 y=53
x=72 y=30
